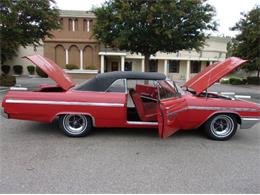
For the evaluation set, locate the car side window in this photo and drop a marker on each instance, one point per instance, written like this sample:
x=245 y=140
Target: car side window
x=117 y=86
x=166 y=90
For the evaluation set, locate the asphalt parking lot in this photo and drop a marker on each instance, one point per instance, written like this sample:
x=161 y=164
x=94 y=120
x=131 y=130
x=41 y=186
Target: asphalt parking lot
x=38 y=158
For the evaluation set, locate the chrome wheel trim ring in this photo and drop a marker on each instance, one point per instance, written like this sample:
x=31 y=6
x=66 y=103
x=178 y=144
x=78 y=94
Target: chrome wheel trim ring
x=75 y=123
x=222 y=126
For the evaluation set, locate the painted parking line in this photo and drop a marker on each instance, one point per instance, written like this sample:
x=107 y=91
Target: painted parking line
x=227 y=93
x=243 y=96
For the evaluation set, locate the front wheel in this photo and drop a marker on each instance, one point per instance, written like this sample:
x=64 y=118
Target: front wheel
x=75 y=125
x=221 y=127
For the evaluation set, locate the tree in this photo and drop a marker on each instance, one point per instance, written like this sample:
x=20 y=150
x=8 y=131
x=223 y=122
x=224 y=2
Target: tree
x=149 y=26
x=25 y=22
x=247 y=43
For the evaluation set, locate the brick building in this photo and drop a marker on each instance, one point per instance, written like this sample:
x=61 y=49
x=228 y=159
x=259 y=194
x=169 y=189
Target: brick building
x=74 y=44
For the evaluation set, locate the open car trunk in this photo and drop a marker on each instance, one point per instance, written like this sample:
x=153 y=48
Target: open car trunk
x=54 y=71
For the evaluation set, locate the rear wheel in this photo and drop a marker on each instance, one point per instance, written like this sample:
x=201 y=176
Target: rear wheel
x=75 y=125
x=221 y=127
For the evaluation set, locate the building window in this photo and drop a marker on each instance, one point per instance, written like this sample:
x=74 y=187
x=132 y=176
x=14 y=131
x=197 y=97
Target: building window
x=195 y=66
x=61 y=23
x=153 y=66
x=174 y=66
x=207 y=63
x=90 y=25
x=76 y=25
x=85 y=25
x=70 y=25
x=128 y=66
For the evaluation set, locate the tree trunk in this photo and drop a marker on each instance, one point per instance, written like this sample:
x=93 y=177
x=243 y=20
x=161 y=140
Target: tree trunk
x=258 y=70
x=146 y=62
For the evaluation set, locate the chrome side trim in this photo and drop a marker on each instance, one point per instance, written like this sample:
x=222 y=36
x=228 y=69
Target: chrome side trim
x=17 y=101
x=212 y=108
x=141 y=123
x=248 y=122
x=221 y=108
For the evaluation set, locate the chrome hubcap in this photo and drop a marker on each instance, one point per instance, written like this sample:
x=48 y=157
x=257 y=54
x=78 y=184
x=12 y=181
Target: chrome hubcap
x=75 y=124
x=222 y=126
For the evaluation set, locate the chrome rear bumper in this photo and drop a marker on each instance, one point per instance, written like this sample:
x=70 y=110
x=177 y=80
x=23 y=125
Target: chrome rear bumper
x=3 y=113
x=248 y=122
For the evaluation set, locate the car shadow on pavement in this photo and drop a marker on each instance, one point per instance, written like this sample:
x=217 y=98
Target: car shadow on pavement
x=52 y=129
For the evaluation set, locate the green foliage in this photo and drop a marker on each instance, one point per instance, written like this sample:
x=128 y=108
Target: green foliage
x=25 y=23
x=235 y=81
x=71 y=66
x=91 y=67
x=247 y=43
x=149 y=26
x=5 y=69
x=7 y=80
x=253 y=80
x=41 y=73
x=31 y=69
x=18 y=69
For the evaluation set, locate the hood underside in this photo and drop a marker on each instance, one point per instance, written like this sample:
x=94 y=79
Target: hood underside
x=207 y=77
x=52 y=70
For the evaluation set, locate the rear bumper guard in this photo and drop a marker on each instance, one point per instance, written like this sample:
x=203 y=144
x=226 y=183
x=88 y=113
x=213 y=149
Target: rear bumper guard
x=248 y=122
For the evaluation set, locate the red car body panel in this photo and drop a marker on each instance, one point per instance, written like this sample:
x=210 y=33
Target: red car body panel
x=213 y=73
x=109 y=109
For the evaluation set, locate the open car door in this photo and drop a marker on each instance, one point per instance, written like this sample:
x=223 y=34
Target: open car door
x=171 y=109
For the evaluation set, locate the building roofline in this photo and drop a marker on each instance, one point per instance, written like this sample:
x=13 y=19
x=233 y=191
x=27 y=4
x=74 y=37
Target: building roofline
x=77 y=13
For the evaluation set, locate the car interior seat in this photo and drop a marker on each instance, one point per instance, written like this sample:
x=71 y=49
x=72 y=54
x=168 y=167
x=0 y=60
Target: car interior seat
x=147 y=111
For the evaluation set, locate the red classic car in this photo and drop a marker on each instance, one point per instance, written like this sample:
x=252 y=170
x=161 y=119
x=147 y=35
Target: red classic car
x=133 y=100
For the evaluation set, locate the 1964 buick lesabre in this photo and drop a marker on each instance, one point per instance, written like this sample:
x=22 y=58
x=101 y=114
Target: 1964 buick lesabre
x=133 y=100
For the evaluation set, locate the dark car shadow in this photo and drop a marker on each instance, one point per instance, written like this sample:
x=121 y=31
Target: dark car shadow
x=53 y=130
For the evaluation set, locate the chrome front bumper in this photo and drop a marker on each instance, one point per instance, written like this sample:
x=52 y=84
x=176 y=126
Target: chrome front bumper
x=3 y=113
x=247 y=123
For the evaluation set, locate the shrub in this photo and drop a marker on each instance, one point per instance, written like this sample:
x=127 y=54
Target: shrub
x=91 y=67
x=253 y=80
x=226 y=81
x=235 y=81
x=41 y=73
x=18 y=69
x=71 y=66
x=7 y=80
x=31 y=69
x=5 y=69
x=244 y=81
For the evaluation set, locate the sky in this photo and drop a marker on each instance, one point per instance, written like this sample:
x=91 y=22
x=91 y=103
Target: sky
x=227 y=11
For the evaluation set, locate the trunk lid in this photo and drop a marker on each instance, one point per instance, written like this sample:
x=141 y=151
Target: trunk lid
x=53 y=70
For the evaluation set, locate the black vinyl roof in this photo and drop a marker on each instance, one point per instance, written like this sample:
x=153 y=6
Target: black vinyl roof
x=101 y=82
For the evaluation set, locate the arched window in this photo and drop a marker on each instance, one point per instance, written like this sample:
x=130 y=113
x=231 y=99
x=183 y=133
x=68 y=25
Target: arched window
x=60 y=56
x=74 y=55
x=88 y=57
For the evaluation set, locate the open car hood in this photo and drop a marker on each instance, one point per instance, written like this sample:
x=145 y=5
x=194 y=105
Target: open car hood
x=212 y=73
x=52 y=70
